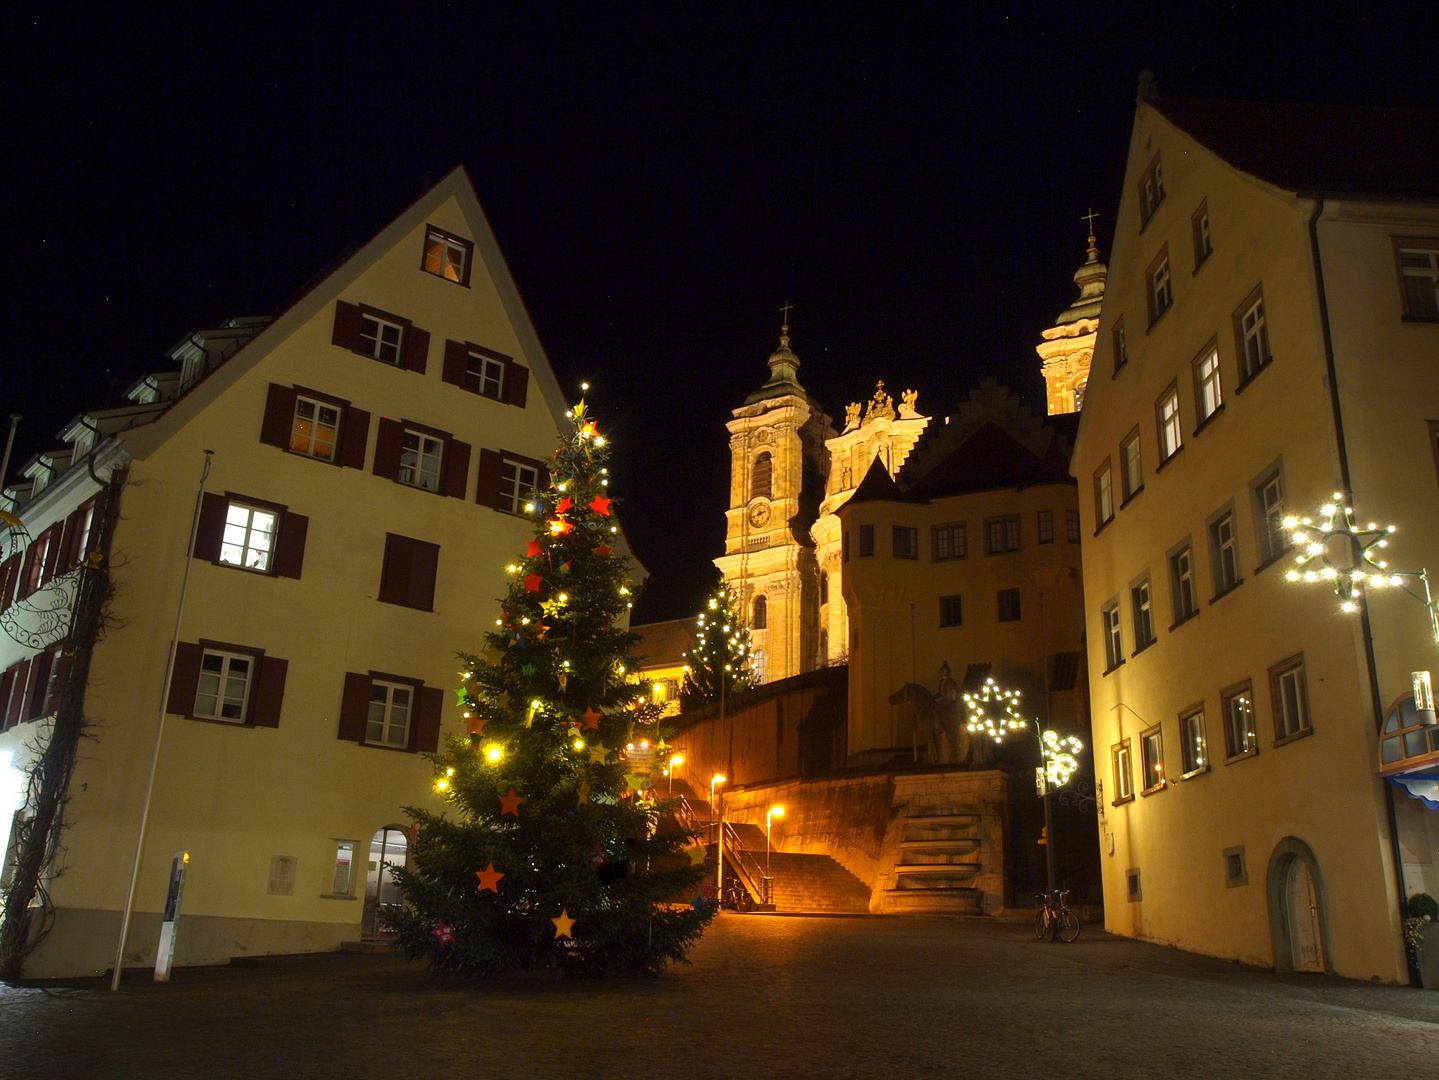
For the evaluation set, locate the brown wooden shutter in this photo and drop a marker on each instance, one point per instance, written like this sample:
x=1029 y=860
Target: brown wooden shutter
x=354 y=707
x=425 y=731
x=347 y=326
x=290 y=545
x=61 y=674
x=7 y=684
x=39 y=680
x=211 y=530
x=487 y=489
x=19 y=684
x=387 y=448
x=269 y=692
x=457 y=363
x=456 y=469
x=517 y=383
x=10 y=573
x=184 y=679
x=424 y=565
x=395 y=573
x=354 y=435
x=70 y=540
x=279 y=420
x=414 y=349
x=53 y=550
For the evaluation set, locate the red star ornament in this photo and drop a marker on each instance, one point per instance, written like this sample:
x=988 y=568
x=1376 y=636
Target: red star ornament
x=564 y=925
x=591 y=719
x=533 y=548
x=563 y=505
x=533 y=583
x=510 y=804
x=489 y=878
x=443 y=932
x=601 y=505
x=475 y=725
x=603 y=549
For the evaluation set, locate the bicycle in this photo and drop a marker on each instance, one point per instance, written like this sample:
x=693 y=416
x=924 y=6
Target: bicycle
x=736 y=896
x=1054 y=919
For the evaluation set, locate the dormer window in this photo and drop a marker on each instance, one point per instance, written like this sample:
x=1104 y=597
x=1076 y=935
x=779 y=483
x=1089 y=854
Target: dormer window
x=1151 y=191
x=447 y=255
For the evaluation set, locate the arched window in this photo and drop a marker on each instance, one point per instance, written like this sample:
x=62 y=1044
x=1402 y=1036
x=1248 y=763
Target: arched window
x=1406 y=744
x=760 y=619
x=761 y=484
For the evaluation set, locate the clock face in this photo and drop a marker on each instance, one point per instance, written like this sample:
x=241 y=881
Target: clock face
x=759 y=514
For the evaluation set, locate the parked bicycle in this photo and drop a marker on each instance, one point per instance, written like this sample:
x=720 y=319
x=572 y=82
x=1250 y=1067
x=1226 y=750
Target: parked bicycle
x=1054 y=919
x=736 y=896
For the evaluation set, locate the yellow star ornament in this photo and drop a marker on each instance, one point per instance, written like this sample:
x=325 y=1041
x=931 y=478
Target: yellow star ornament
x=564 y=925
x=598 y=753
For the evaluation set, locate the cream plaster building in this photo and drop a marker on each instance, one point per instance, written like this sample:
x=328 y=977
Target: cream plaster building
x=1269 y=336
x=372 y=446
x=1068 y=346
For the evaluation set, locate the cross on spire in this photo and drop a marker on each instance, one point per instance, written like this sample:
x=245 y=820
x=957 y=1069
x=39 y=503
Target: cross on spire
x=1089 y=217
x=785 y=310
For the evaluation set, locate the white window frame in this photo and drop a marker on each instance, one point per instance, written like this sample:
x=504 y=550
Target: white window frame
x=1131 y=465
x=1224 y=539
x=1203 y=244
x=1001 y=535
x=1141 y=598
x=1171 y=433
x=1181 y=581
x=1161 y=287
x=1254 y=338
x=427 y=447
x=345 y=886
x=1071 y=526
x=1018 y=606
x=1113 y=636
x=1208 y=386
x=388 y=710
x=1418 y=264
x=1151 y=760
x=222 y=696
x=299 y=439
x=1122 y=759
x=1269 y=504
x=1104 y=494
x=1121 y=346
x=950 y=542
x=1044 y=527
x=1290 y=693
x=376 y=344
x=238 y=540
x=1193 y=743
x=518 y=482
x=485 y=376
x=1240 y=741
x=450 y=263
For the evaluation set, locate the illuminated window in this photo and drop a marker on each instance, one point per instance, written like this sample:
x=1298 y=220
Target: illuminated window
x=1251 y=330
x=1240 y=738
x=249 y=537
x=1193 y=743
x=344 y=868
x=1203 y=245
x=420 y=460
x=1208 y=393
x=1161 y=287
x=315 y=429
x=1167 y=412
x=447 y=255
x=1290 y=695
x=1405 y=743
x=380 y=338
x=388 y=722
x=950 y=542
x=1419 y=276
x=1130 y=465
x=1151 y=759
x=223 y=691
x=517 y=483
x=1119 y=756
x=1103 y=495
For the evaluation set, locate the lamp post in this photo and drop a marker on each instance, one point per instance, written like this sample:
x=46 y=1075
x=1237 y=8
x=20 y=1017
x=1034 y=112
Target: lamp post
x=678 y=759
x=769 y=816
x=715 y=781
x=994 y=711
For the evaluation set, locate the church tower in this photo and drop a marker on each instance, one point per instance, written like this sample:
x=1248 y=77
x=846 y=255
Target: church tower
x=1068 y=345
x=778 y=468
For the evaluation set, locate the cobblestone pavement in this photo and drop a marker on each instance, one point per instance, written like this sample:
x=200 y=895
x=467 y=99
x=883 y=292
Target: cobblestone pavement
x=766 y=998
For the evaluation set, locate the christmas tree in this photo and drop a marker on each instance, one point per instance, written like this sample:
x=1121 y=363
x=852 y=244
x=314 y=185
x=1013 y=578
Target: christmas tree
x=721 y=656
x=552 y=851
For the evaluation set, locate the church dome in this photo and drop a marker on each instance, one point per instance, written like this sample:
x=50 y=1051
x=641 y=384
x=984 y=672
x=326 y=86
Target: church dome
x=783 y=372
x=1090 y=278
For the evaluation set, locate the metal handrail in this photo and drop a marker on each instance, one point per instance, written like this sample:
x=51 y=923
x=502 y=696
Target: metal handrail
x=747 y=867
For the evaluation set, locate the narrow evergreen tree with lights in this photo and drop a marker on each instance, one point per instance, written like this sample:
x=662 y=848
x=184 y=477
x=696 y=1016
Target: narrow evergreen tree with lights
x=721 y=655
x=551 y=852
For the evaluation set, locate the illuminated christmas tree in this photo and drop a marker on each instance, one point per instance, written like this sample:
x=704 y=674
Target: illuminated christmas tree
x=721 y=656
x=551 y=852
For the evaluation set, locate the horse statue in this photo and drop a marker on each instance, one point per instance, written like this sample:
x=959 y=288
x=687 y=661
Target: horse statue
x=948 y=741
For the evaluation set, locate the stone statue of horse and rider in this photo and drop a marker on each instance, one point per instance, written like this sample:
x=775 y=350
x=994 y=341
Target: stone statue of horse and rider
x=940 y=715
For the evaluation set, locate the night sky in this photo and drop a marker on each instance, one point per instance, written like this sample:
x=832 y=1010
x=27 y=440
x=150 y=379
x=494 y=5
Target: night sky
x=661 y=179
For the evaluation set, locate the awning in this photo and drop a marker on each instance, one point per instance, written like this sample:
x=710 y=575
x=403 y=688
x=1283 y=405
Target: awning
x=1422 y=784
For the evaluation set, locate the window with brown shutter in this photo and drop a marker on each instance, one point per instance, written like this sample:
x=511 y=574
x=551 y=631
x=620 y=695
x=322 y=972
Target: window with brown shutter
x=407 y=577
x=251 y=534
x=507 y=480
x=417 y=455
x=9 y=575
x=19 y=686
x=392 y=712
x=391 y=339
x=517 y=383
x=7 y=684
x=78 y=535
x=230 y=684
x=455 y=472
x=36 y=694
x=315 y=425
x=486 y=372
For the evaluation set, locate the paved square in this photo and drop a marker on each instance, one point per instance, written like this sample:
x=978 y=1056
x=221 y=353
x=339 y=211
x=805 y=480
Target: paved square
x=767 y=997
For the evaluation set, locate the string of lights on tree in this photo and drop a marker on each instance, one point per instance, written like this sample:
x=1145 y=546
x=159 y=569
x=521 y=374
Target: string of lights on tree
x=550 y=851
x=722 y=653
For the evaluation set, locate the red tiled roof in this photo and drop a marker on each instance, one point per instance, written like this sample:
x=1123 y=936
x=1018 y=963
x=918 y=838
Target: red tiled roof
x=1323 y=149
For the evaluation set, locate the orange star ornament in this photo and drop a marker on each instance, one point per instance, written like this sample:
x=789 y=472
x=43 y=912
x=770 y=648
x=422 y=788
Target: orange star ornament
x=601 y=505
x=564 y=925
x=591 y=719
x=510 y=804
x=603 y=550
x=489 y=878
x=475 y=725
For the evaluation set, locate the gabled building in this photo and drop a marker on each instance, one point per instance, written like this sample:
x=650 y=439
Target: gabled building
x=1269 y=338
x=342 y=485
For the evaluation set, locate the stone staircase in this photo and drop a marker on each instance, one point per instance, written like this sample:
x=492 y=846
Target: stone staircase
x=805 y=882
x=938 y=863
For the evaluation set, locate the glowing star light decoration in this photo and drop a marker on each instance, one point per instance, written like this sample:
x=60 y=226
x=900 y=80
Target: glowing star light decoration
x=1060 y=762
x=994 y=711
x=1336 y=550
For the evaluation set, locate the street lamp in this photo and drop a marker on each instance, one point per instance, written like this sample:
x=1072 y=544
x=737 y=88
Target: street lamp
x=994 y=711
x=678 y=759
x=715 y=781
x=1358 y=568
x=769 y=816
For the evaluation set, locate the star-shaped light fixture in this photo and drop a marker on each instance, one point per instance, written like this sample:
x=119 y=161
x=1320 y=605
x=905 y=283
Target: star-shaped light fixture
x=993 y=711
x=1350 y=569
